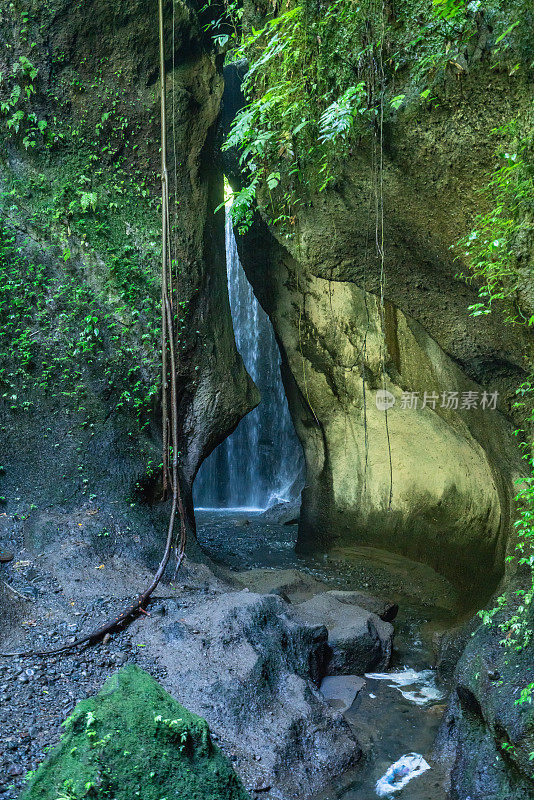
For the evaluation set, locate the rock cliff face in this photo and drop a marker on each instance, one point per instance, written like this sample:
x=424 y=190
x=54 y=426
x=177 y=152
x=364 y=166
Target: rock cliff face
x=80 y=235
x=436 y=482
x=433 y=482
x=486 y=735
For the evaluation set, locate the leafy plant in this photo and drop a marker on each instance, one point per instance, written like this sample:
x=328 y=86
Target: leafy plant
x=316 y=81
x=16 y=91
x=494 y=247
x=88 y=201
x=337 y=120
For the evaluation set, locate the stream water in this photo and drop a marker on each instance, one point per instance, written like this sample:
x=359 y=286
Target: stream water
x=259 y=464
x=394 y=714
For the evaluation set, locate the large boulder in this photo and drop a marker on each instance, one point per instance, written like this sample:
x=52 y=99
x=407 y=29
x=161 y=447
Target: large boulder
x=359 y=640
x=251 y=668
x=487 y=734
x=134 y=740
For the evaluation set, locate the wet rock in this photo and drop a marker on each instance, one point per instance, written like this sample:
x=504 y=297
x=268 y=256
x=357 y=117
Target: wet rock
x=386 y=610
x=291 y=583
x=486 y=735
x=284 y=513
x=252 y=672
x=262 y=786
x=341 y=691
x=359 y=640
x=159 y=609
x=448 y=646
x=28 y=591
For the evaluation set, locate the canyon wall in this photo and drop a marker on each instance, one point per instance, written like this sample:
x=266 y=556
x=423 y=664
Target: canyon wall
x=80 y=246
x=434 y=481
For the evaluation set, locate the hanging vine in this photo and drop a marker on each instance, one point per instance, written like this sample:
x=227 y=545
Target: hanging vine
x=170 y=436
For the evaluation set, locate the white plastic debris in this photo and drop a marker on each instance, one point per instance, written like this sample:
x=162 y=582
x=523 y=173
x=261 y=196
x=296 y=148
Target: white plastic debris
x=424 y=691
x=400 y=773
x=423 y=695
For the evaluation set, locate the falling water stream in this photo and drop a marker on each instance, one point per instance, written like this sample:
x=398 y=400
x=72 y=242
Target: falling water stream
x=259 y=464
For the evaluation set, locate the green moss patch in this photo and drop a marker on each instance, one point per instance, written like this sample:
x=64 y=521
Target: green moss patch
x=133 y=740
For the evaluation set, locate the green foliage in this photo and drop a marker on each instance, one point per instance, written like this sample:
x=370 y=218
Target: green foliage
x=337 y=120
x=320 y=81
x=515 y=623
x=81 y=321
x=300 y=112
x=16 y=91
x=88 y=201
x=449 y=9
x=497 y=251
x=495 y=248
x=58 y=338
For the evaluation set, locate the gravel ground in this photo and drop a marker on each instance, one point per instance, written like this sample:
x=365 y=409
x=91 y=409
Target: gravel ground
x=70 y=593
x=36 y=694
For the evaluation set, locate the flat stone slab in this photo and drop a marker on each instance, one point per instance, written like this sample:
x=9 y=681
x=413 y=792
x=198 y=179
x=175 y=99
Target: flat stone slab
x=340 y=691
x=291 y=583
x=384 y=609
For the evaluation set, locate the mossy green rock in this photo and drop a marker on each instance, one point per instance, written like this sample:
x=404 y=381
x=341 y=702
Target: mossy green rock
x=134 y=740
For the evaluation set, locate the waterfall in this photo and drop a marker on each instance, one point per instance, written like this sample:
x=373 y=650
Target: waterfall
x=259 y=464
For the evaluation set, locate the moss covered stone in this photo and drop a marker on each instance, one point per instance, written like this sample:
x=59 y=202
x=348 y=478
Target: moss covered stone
x=134 y=740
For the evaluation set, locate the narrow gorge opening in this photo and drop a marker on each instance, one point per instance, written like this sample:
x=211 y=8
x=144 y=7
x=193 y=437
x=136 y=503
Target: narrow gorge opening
x=260 y=464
